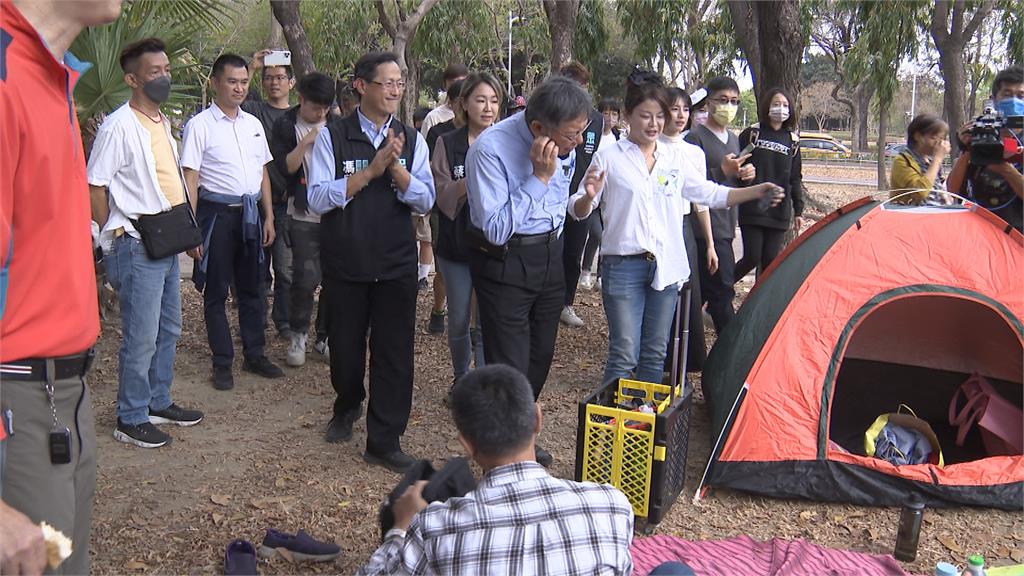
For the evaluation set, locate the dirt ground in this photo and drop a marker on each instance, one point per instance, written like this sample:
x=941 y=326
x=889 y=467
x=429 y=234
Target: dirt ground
x=258 y=461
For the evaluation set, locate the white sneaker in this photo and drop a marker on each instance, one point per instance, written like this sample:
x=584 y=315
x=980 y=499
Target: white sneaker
x=569 y=317
x=297 y=351
x=585 y=281
x=597 y=285
x=323 y=349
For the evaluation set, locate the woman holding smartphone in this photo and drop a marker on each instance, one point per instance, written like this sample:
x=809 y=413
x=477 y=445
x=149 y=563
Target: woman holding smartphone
x=481 y=99
x=640 y=186
x=775 y=152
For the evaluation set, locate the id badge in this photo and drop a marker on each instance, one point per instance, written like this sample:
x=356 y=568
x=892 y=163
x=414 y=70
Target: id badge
x=60 y=446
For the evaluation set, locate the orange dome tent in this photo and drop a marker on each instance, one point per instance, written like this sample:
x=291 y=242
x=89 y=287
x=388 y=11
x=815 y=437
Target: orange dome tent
x=877 y=305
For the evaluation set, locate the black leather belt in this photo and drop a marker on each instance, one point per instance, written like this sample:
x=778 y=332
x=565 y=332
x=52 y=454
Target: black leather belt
x=533 y=239
x=34 y=369
x=645 y=255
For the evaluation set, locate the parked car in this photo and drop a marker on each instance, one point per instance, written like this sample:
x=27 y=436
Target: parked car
x=892 y=149
x=819 y=145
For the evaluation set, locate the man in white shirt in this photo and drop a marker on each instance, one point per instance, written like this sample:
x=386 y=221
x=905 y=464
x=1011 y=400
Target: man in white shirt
x=133 y=171
x=225 y=156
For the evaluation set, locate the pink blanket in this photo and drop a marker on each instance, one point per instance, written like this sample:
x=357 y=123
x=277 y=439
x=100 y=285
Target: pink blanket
x=744 y=555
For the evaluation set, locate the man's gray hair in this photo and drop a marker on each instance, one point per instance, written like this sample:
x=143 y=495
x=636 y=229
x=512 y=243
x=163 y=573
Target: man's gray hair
x=558 y=99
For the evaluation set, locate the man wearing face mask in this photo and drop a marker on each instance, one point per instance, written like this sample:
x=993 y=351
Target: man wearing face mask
x=721 y=148
x=134 y=171
x=998 y=187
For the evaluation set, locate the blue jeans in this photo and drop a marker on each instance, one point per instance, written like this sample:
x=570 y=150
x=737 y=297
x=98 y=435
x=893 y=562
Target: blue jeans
x=639 y=318
x=150 y=298
x=459 y=286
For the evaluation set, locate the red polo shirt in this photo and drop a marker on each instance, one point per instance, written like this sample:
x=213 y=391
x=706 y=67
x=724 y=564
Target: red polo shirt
x=50 y=306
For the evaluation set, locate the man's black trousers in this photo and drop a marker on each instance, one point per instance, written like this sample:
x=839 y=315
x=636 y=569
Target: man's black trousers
x=387 y=308
x=520 y=300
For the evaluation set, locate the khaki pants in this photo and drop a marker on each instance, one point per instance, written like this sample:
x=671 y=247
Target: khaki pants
x=58 y=494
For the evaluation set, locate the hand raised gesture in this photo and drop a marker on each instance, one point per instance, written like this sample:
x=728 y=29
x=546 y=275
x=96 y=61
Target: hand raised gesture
x=544 y=156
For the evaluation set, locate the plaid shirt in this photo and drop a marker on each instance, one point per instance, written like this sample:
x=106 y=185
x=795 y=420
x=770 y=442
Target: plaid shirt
x=519 y=520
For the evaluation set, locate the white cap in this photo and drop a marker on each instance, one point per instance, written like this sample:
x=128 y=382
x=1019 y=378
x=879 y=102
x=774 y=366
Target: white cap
x=698 y=96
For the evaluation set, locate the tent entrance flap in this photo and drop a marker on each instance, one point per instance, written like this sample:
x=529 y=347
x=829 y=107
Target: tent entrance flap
x=916 y=351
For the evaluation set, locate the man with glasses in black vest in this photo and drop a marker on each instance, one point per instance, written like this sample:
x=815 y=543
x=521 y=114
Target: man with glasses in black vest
x=369 y=174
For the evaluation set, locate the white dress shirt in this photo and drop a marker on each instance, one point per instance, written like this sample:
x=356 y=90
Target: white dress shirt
x=693 y=153
x=229 y=154
x=643 y=211
x=122 y=161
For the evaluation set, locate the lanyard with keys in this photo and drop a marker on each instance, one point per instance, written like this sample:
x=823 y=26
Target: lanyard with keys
x=60 y=436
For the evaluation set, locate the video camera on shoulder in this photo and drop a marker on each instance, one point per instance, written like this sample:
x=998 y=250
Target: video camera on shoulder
x=988 y=146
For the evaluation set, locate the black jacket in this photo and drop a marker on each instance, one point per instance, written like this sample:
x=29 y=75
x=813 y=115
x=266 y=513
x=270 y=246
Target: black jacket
x=776 y=157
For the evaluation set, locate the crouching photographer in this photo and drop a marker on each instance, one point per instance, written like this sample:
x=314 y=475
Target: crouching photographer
x=990 y=172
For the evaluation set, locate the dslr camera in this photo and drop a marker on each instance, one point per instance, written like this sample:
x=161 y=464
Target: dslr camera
x=987 y=146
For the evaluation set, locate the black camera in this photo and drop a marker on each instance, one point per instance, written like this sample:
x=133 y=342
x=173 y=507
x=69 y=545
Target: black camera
x=986 y=136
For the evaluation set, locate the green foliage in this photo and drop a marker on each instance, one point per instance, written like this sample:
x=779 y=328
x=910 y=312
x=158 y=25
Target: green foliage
x=1012 y=26
x=695 y=33
x=340 y=32
x=591 y=36
x=817 y=68
x=889 y=34
x=102 y=87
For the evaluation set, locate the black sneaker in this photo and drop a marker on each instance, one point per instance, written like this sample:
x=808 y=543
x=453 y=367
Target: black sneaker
x=339 y=429
x=543 y=457
x=262 y=366
x=423 y=284
x=222 y=378
x=175 y=414
x=144 y=435
x=436 y=323
x=396 y=461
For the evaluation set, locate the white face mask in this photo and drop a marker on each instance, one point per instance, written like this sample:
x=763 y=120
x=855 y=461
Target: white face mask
x=779 y=113
x=700 y=117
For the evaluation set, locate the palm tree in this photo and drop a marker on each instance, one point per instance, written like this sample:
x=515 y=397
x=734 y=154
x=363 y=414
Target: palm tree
x=101 y=88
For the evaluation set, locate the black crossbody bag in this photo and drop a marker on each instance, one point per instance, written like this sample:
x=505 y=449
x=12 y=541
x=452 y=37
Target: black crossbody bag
x=172 y=232
x=169 y=233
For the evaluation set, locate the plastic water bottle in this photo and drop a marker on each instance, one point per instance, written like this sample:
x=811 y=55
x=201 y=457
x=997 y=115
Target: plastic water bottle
x=909 y=530
x=975 y=565
x=946 y=569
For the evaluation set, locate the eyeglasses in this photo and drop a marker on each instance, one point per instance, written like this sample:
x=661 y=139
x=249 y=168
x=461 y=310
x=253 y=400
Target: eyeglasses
x=390 y=84
x=277 y=78
x=725 y=101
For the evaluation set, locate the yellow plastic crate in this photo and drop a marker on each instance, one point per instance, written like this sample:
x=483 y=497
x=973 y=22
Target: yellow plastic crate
x=634 y=460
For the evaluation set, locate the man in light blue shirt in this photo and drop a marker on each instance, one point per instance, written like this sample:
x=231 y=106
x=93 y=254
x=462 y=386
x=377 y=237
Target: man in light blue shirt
x=517 y=182
x=369 y=174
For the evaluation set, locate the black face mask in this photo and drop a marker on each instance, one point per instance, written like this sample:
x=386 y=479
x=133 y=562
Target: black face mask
x=158 y=89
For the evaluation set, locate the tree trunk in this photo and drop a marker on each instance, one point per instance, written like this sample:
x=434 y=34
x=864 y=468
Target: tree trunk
x=276 y=33
x=883 y=127
x=287 y=13
x=745 y=29
x=862 y=98
x=781 y=42
x=951 y=34
x=561 y=25
x=402 y=31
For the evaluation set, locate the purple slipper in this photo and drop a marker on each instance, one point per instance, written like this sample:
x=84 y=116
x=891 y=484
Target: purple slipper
x=240 y=559
x=302 y=546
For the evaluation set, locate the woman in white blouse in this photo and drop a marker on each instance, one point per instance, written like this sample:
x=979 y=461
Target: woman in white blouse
x=640 y=187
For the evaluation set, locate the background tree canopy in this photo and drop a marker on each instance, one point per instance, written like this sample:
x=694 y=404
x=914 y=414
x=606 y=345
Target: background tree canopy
x=862 y=56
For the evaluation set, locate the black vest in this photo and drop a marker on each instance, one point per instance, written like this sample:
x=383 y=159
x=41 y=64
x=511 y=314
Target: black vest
x=585 y=151
x=451 y=235
x=372 y=238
